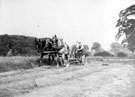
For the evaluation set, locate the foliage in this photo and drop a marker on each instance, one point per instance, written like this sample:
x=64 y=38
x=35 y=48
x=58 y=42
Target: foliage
x=87 y=53
x=121 y=54
x=103 y=53
x=96 y=46
x=126 y=25
x=115 y=47
x=20 y=45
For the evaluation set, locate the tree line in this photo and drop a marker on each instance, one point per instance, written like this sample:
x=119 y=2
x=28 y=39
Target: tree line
x=24 y=45
x=20 y=45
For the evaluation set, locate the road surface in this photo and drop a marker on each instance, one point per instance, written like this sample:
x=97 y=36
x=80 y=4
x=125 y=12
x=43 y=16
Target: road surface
x=92 y=80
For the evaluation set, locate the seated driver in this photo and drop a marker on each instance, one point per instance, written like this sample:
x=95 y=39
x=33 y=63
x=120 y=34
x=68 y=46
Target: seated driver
x=79 y=46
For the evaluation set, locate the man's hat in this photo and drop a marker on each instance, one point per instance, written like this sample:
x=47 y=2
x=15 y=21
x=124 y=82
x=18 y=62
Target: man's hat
x=79 y=42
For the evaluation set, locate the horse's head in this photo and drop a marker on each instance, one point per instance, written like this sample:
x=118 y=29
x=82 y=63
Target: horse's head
x=46 y=43
x=64 y=48
x=55 y=40
x=49 y=43
x=60 y=42
x=67 y=47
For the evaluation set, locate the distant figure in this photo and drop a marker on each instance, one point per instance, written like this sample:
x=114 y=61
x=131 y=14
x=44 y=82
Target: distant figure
x=79 y=50
x=9 y=54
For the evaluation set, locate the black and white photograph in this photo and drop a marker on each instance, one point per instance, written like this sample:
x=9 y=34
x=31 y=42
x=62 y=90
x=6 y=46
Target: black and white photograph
x=67 y=48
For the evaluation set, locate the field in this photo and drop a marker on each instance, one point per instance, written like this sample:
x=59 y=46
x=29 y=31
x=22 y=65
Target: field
x=99 y=77
x=19 y=62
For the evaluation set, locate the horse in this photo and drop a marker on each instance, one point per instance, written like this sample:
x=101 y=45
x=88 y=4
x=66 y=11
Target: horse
x=56 y=45
x=45 y=44
x=62 y=51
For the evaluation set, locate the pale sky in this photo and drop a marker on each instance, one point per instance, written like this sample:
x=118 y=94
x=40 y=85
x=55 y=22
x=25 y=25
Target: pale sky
x=87 y=21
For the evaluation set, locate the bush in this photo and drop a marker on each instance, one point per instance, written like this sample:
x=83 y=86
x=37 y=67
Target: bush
x=87 y=53
x=121 y=54
x=23 y=45
x=103 y=53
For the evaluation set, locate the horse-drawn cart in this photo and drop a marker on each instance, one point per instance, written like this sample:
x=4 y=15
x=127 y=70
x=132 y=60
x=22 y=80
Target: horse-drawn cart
x=53 y=57
x=77 y=58
x=57 y=50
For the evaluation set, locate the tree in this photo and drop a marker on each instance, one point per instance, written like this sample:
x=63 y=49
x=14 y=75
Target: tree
x=103 y=54
x=23 y=45
x=126 y=26
x=116 y=47
x=96 y=47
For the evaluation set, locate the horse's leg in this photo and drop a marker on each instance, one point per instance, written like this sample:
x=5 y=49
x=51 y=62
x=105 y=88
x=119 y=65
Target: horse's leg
x=53 y=59
x=81 y=60
x=62 y=63
x=67 y=60
x=82 y=57
x=41 y=57
x=57 y=60
x=84 y=60
x=49 y=59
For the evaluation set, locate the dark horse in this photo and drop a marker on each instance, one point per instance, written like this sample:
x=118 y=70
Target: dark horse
x=59 y=49
x=45 y=44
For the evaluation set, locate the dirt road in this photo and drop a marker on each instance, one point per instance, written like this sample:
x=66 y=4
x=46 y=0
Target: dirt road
x=91 y=80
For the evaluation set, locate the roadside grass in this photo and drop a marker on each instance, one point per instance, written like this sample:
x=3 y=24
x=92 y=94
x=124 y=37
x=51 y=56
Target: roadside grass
x=26 y=62
x=18 y=62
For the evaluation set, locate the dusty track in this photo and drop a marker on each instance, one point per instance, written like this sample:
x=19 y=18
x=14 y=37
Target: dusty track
x=91 y=80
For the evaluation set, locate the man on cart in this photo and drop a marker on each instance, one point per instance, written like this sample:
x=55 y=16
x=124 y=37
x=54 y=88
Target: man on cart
x=79 y=49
